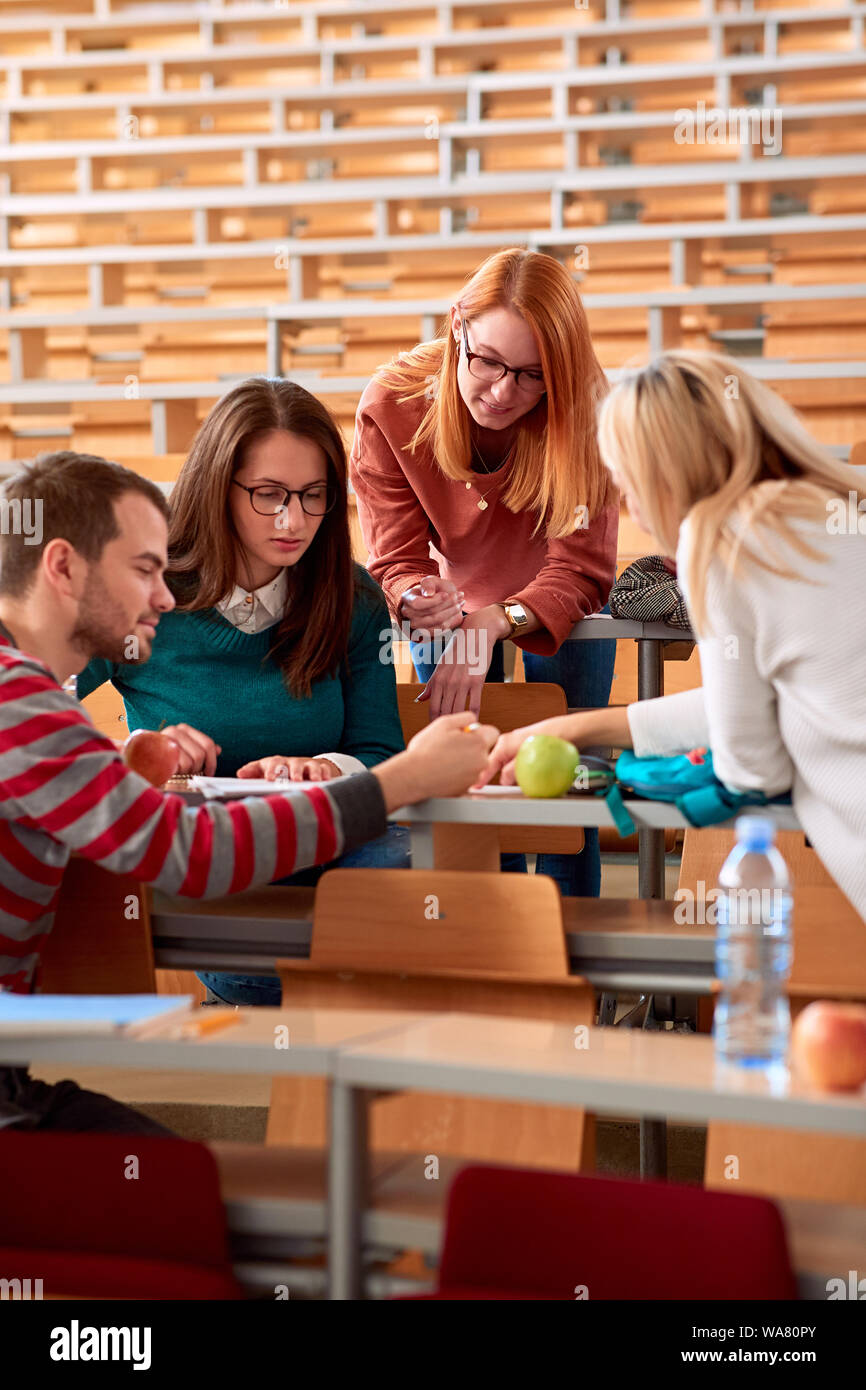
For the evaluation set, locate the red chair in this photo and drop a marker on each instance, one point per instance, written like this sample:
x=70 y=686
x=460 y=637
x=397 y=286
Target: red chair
x=73 y=1215
x=523 y=1234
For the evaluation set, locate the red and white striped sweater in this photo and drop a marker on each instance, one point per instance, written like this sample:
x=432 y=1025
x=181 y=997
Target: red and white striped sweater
x=64 y=788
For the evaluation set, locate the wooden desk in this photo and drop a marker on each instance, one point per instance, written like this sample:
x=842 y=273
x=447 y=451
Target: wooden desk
x=251 y=1046
x=472 y=811
x=653 y=1074
x=367 y=1051
x=615 y=943
x=269 y=1205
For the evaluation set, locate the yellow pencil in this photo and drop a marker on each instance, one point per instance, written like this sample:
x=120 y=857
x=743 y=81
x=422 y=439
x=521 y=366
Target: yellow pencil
x=214 y=1019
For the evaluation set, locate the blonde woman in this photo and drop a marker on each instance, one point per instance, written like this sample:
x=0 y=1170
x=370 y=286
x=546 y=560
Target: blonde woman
x=484 y=504
x=770 y=536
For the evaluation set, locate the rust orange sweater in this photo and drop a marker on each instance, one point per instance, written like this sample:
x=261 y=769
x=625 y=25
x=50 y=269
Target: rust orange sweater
x=416 y=521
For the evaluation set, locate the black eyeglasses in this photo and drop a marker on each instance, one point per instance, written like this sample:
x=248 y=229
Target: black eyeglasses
x=269 y=500
x=489 y=369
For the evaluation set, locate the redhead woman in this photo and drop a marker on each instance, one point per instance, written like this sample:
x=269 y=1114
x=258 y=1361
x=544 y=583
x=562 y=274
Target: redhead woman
x=770 y=535
x=270 y=664
x=484 y=504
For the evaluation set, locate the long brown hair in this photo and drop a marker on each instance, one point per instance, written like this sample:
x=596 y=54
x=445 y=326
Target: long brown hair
x=313 y=634
x=557 y=466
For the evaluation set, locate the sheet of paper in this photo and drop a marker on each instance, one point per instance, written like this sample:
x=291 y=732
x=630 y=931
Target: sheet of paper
x=242 y=786
x=491 y=790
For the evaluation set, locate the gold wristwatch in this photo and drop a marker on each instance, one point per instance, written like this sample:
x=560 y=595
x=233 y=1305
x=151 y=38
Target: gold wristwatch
x=516 y=615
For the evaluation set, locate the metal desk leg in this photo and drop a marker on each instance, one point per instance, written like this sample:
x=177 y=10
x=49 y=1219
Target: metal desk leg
x=654 y=1150
x=650 y=669
x=347 y=1189
x=421 y=844
x=650 y=843
x=653 y=1133
x=439 y=845
x=651 y=884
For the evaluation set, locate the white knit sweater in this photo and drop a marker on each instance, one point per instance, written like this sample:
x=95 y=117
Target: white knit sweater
x=783 y=701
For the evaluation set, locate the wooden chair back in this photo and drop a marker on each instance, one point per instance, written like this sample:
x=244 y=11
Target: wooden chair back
x=829 y=962
x=507 y=706
x=438 y=919
x=101 y=941
x=439 y=940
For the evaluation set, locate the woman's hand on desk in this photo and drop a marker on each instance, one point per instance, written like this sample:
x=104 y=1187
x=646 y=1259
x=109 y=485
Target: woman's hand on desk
x=589 y=728
x=198 y=753
x=281 y=769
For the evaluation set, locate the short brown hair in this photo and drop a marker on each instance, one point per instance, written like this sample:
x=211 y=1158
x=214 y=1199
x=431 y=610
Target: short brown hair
x=77 y=493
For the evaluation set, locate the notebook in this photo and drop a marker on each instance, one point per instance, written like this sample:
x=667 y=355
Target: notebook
x=35 y=1015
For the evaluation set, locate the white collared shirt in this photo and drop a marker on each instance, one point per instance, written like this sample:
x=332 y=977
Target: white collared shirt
x=253 y=612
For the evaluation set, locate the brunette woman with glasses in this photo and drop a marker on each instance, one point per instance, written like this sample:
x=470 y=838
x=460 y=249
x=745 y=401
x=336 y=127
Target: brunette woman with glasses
x=271 y=663
x=484 y=504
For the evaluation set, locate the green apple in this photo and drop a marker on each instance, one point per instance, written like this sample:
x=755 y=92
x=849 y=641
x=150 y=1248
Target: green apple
x=545 y=766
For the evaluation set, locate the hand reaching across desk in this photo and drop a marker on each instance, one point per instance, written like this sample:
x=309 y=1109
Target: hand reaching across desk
x=585 y=729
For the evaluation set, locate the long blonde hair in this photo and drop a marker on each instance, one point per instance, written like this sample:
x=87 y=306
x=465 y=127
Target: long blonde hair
x=692 y=434
x=556 y=464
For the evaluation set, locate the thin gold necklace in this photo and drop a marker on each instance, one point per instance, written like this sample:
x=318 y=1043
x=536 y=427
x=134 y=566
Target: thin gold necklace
x=483 y=504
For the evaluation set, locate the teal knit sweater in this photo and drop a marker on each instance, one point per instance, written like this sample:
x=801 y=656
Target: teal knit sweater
x=205 y=672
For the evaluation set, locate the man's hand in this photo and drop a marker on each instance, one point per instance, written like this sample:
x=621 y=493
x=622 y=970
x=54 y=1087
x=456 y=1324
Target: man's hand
x=434 y=603
x=442 y=760
x=197 y=752
x=281 y=769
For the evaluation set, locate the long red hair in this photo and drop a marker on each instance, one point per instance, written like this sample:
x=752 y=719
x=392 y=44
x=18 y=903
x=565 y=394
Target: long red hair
x=556 y=465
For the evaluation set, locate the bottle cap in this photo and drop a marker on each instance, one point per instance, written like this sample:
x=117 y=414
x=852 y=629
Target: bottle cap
x=755 y=832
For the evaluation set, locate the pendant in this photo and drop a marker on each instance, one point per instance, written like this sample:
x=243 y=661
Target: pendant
x=468 y=486
x=482 y=505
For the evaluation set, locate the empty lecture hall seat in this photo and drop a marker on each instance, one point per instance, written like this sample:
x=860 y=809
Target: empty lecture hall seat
x=71 y=1215
x=497 y=946
x=517 y=1234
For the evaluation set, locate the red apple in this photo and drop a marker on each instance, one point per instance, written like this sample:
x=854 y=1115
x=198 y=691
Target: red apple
x=828 y=1045
x=151 y=755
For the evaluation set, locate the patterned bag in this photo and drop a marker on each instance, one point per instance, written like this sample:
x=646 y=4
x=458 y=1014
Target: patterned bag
x=647 y=592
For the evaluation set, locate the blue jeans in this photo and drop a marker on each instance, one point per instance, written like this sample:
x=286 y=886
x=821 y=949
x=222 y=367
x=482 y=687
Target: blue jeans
x=389 y=851
x=585 y=672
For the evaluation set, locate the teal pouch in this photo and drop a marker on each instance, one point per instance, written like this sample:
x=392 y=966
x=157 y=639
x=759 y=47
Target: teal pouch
x=692 y=786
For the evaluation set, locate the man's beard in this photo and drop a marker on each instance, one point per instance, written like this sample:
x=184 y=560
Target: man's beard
x=101 y=629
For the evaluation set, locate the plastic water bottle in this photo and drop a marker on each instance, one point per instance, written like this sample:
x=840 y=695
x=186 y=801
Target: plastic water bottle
x=753 y=949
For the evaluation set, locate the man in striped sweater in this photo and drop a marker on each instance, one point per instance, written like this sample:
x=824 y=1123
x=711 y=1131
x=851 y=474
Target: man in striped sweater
x=84 y=582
